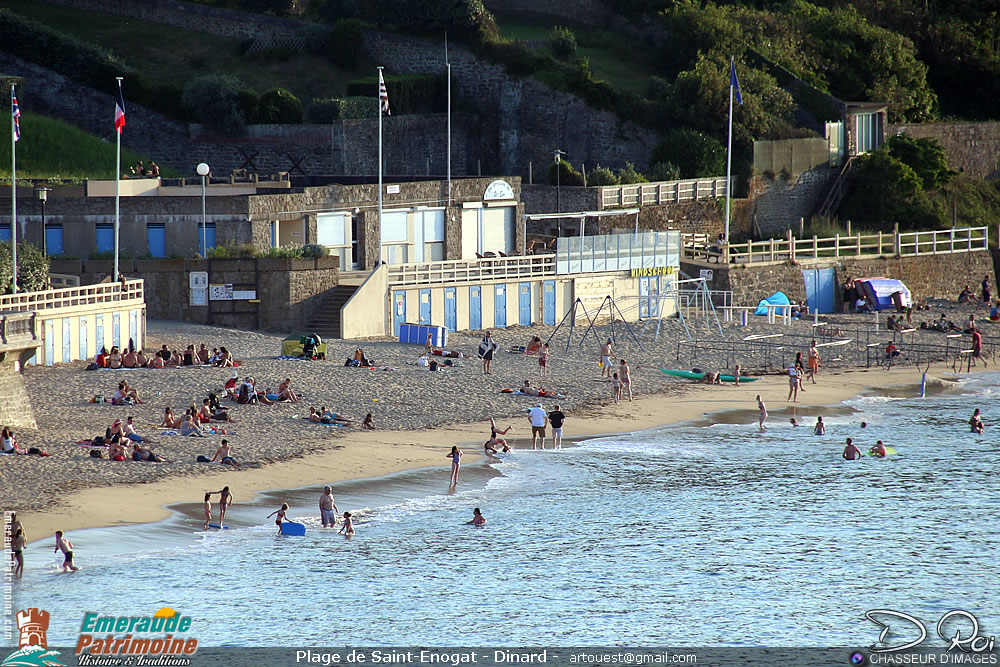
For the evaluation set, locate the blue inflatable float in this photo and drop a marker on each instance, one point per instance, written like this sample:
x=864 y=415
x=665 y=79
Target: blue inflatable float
x=292 y=528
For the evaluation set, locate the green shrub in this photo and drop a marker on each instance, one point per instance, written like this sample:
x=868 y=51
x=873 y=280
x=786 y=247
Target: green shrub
x=285 y=251
x=247 y=105
x=602 y=176
x=695 y=153
x=408 y=93
x=279 y=106
x=563 y=43
x=664 y=171
x=232 y=251
x=105 y=254
x=628 y=175
x=32 y=268
x=567 y=174
x=924 y=156
x=214 y=100
x=315 y=250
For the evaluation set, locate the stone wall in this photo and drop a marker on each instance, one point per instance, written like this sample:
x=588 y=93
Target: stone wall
x=927 y=276
x=542 y=198
x=778 y=204
x=523 y=119
x=289 y=290
x=972 y=148
x=15 y=407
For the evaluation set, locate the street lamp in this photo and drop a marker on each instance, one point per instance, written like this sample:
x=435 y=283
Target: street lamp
x=557 y=157
x=42 y=193
x=203 y=170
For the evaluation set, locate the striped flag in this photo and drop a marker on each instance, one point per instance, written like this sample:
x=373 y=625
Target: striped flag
x=16 y=114
x=119 y=111
x=734 y=82
x=383 y=95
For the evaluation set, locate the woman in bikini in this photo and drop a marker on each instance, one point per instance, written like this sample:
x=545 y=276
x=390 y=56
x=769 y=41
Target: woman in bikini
x=281 y=516
x=169 y=421
x=456 y=459
x=225 y=358
x=225 y=500
x=115 y=358
x=496 y=441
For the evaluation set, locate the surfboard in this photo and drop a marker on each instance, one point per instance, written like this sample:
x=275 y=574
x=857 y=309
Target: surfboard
x=292 y=528
x=215 y=525
x=699 y=376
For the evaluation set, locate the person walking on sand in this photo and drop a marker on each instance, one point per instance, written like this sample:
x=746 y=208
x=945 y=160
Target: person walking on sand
x=793 y=384
x=63 y=544
x=607 y=354
x=763 y=413
x=279 y=516
x=225 y=500
x=616 y=388
x=487 y=346
x=477 y=519
x=348 y=528
x=626 y=378
x=543 y=360
x=977 y=346
x=813 y=361
x=557 y=419
x=537 y=418
x=736 y=375
x=851 y=453
x=456 y=460
x=328 y=508
x=208 y=510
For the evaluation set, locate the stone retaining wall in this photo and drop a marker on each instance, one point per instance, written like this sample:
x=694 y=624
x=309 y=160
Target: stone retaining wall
x=972 y=148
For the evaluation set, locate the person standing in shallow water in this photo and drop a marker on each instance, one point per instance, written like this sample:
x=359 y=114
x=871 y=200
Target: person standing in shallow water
x=763 y=413
x=851 y=453
x=328 y=508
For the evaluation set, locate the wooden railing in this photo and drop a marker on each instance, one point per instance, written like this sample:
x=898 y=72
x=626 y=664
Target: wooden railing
x=500 y=268
x=667 y=192
x=131 y=290
x=956 y=239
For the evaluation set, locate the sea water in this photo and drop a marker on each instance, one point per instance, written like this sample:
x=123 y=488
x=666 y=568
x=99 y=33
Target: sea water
x=707 y=533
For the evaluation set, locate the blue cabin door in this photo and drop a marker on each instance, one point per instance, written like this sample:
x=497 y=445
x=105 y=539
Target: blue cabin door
x=53 y=239
x=156 y=238
x=425 y=307
x=398 y=311
x=50 y=343
x=450 y=309
x=67 y=352
x=549 y=302
x=820 y=289
x=133 y=328
x=524 y=304
x=475 y=308
x=84 y=350
x=105 y=237
x=99 y=331
x=500 y=307
x=116 y=330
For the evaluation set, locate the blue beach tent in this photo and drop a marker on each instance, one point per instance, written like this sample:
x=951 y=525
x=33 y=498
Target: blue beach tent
x=776 y=299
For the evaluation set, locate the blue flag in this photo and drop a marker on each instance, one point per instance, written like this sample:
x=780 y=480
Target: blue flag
x=734 y=82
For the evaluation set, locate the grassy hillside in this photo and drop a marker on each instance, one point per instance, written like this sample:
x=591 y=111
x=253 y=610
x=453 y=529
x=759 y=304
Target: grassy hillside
x=50 y=148
x=174 y=55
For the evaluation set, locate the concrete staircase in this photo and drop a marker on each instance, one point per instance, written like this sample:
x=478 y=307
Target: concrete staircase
x=325 y=320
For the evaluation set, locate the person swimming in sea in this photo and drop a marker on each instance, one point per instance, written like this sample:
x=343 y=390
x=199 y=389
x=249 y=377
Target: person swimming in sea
x=282 y=515
x=976 y=422
x=851 y=452
x=348 y=528
x=477 y=518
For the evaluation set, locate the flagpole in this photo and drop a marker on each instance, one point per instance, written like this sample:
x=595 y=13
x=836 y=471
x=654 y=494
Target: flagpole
x=729 y=156
x=380 y=152
x=13 y=192
x=118 y=181
x=448 y=64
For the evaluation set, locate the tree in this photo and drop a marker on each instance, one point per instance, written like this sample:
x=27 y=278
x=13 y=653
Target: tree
x=214 y=100
x=563 y=43
x=925 y=157
x=695 y=153
x=887 y=191
x=32 y=268
x=567 y=174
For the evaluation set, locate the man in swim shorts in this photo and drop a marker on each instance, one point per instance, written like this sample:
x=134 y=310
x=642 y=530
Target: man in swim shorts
x=606 y=354
x=63 y=544
x=537 y=418
x=328 y=508
x=851 y=452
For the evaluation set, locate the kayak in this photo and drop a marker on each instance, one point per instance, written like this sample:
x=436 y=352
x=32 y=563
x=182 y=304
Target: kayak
x=699 y=376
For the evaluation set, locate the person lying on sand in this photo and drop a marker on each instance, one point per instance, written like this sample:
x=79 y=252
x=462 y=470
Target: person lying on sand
x=331 y=417
x=140 y=453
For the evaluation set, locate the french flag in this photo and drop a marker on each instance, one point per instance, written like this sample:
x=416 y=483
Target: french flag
x=119 y=111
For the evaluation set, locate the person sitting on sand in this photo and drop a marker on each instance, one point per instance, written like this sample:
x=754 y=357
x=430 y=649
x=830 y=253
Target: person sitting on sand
x=851 y=452
x=129 y=360
x=533 y=346
x=331 y=417
x=189 y=427
x=477 y=518
x=102 y=358
x=116 y=450
x=115 y=358
x=369 y=423
x=207 y=414
x=285 y=392
x=529 y=390
x=314 y=416
x=230 y=387
x=203 y=354
x=190 y=356
x=712 y=377
x=8 y=443
x=966 y=295
x=156 y=362
x=224 y=455
x=225 y=358
x=169 y=421
x=175 y=360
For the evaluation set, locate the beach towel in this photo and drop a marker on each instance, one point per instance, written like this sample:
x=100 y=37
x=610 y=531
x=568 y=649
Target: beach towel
x=547 y=394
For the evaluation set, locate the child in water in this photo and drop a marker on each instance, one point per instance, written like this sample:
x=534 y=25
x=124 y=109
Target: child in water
x=281 y=515
x=820 y=428
x=348 y=528
x=208 y=510
x=477 y=518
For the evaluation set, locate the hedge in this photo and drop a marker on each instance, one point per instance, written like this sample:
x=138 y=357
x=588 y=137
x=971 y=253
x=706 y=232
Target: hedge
x=85 y=63
x=408 y=93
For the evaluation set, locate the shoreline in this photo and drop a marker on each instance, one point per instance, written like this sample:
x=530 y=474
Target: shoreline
x=369 y=455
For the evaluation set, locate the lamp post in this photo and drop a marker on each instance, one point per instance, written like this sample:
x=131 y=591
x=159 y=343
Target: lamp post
x=42 y=193
x=203 y=170
x=557 y=157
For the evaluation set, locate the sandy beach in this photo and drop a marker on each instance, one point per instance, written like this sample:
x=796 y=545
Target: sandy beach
x=419 y=414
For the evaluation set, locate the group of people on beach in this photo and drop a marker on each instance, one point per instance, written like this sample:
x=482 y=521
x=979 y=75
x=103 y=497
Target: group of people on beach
x=164 y=358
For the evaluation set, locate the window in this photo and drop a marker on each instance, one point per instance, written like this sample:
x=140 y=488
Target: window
x=156 y=237
x=53 y=239
x=867 y=132
x=105 y=237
